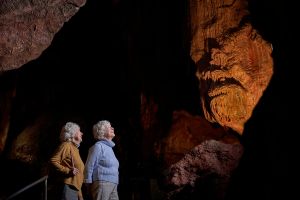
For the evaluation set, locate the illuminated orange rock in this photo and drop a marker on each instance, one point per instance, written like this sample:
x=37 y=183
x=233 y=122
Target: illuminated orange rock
x=234 y=63
x=188 y=131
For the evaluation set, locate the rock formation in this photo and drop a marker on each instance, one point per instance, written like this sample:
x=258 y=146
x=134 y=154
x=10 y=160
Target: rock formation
x=28 y=27
x=234 y=63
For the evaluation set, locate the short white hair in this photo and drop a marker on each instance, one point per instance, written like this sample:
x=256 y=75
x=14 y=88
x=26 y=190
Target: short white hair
x=68 y=131
x=100 y=129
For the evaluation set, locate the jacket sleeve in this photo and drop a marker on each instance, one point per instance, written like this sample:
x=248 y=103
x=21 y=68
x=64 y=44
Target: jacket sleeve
x=90 y=163
x=60 y=159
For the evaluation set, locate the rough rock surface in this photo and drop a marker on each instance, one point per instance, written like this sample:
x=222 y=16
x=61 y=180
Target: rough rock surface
x=187 y=131
x=210 y=162
x=27 y=28
x=234 y=63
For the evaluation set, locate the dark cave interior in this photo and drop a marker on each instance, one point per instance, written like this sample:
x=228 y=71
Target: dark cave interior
x=96 y=68
x=101 y=60
x=110 y=51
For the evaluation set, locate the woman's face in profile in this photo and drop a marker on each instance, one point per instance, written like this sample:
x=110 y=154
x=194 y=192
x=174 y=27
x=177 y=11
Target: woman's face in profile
x=78 y=137
x=234 y=78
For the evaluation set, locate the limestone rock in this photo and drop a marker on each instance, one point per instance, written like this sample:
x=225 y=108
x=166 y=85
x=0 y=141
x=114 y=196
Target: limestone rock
x=27 y=28
x=234 y=63
x=204 y=172
x=187 y=131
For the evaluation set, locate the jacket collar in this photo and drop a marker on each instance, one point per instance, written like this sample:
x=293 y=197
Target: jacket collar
x=107 y=142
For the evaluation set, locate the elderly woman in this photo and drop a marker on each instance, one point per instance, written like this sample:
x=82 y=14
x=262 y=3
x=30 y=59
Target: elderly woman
x=101 y=172
x=67 y=161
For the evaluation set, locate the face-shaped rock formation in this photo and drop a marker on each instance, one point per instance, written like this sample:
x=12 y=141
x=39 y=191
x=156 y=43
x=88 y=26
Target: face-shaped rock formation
x=234 y=63
x=235 y=78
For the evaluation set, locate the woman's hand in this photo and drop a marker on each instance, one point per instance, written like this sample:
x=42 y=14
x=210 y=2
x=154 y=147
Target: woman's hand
x=74 y=171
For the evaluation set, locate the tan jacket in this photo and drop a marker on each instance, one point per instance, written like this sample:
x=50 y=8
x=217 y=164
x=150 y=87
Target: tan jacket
x=66 y=156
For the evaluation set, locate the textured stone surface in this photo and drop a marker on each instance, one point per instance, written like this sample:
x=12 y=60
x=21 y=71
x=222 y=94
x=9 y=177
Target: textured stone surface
x=210 y=162
x=27 y=28
x=187 y=131
x=27 y=145
x=234 y=63
x=211 y=19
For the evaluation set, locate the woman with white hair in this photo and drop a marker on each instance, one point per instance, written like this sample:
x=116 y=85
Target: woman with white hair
x=101 y=172
x=67 y=161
